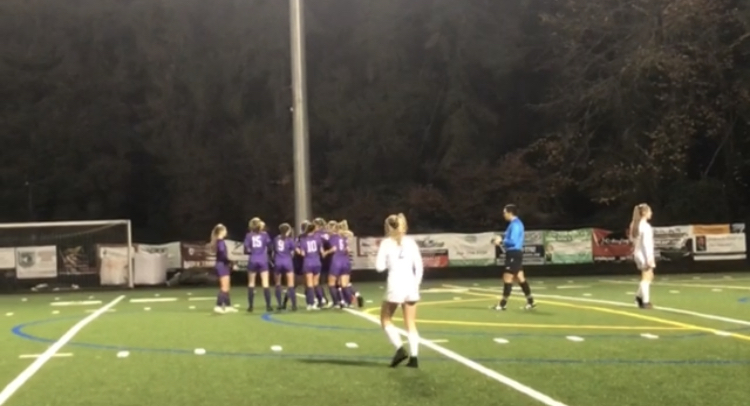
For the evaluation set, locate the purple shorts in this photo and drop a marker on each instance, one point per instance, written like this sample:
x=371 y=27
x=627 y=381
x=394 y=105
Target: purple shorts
x=257 y=265
x=283 y=266
x=339 y=268
x=311 y=268
x=222 y=270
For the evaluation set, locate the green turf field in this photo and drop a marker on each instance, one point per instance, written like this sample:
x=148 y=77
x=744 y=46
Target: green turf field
x=585 y=345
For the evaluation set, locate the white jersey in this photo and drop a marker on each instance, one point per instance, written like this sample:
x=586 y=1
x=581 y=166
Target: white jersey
x=643 y=247
x=404 y=265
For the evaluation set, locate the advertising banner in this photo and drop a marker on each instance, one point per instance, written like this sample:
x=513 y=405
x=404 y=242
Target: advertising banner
x=568 y=247
x=673 y=243
x=197 y=255
x=7 y=258
x=533 y=249
x=608 y=246
x=720 y=247
x=170 y=250
x=36 y=262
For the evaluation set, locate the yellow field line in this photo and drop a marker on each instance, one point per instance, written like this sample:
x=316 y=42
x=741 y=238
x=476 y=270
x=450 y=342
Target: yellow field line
x=634 y=315
x=521 y=325
x=683 y=285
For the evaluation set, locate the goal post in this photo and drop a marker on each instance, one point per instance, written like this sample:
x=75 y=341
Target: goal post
x=66 y=254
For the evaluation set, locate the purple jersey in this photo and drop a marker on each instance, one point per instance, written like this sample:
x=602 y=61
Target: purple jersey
x=256 y=245
x=222 y=258
x=283 y=248
x=340 y=245
x=310 y=244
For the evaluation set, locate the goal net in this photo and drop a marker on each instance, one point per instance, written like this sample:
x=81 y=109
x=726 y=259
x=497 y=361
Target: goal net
x=65 y=255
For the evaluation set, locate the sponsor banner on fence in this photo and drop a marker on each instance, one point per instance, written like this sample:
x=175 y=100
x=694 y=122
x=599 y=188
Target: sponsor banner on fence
x=533 y=248
x=609 y=245
x=568 y=247
x=113 y=264
x=468 y=249
x=673 y=243
x=717 y=247
x=7 y=258
x=711 y=229
x=170 y=250
x=36 y=262
x=435 y=253
x=197 y=255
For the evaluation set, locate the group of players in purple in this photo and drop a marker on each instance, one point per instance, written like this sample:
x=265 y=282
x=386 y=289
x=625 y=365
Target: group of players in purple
x=320 y=248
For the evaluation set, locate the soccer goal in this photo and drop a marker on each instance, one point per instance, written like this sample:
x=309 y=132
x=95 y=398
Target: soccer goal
x=66 y=255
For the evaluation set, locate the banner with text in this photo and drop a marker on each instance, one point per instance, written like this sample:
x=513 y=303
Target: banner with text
x=435 y=252
x=7 y=258
x=719 y=242
x=468 y=249
x=36 y=262
x=673 y=243
x=568 y=247
x=170 y=250
x=533 y=248
x=608 y=246
x=197 y=255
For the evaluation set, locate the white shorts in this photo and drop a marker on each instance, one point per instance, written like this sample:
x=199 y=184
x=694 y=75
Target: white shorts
x=641 y=262
x=401 y=295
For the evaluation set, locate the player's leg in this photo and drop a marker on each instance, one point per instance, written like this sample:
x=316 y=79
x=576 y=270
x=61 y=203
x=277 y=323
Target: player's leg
x=386 y=321
x=310 y=290
x=524 y=284
x=222 y=298
x=507 y=289
x=332 y=289
x=410 y=321
x=346 y=290
x=251 y=289
x=291 y=293
x=647 y=276
x=266 y=289
x=278 y=279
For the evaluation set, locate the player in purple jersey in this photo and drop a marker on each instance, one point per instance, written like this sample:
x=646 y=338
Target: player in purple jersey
x=257 y=243
x=343 y=229
x=223 y=268
x=320 y=230
x=297 y=261
x=340 y=268
x=310 y=248
x=284 y=247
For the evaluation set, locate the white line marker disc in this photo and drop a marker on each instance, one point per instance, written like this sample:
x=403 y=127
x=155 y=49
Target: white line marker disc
x=649 y=336
x=23 y=299
x=199 y=351
x=123 y=354
x=575 y=338
x=587 y=294
x=723 y=333
x=55 y=312
x=368 y=301
x=147 y=309
x=352 y=345
x=715 y=290
x=56 y=299
x=276 y=348
x=501 y=341
x=156 y=295
x=674 y=291
x=190 y=293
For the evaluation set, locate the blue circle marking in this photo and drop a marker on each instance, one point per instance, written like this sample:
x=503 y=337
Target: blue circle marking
x=19 y=332
x=744 y=300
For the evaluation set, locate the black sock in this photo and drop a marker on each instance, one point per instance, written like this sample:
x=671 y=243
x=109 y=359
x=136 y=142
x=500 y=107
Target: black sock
x=507 y=288
x=527 y=291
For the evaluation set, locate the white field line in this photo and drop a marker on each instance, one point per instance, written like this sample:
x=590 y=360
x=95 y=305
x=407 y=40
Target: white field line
x=52 y=350
x=59 y=354
x=154 y=300
x=77 y=303
x=685 y=285
x=532 y=393
x=624 y=304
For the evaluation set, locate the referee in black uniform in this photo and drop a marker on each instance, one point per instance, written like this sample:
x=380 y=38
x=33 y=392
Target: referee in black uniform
x=512 y=245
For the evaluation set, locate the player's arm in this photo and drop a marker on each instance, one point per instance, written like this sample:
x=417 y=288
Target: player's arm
x=381 y=263
x=648 y=247
x=512 y=236
x=418 y=263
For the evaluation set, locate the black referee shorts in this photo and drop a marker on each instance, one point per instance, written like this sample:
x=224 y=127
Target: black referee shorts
x=513 y=261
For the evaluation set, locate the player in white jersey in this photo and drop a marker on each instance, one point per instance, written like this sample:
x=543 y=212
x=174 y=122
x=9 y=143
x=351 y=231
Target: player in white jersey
x=642 y=236
x=400 y=256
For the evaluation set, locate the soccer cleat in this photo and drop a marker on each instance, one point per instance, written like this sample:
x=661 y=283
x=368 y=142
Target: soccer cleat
x=230 y=310
x=360 y=301
x=413 y=363
x=639 y=302
x=219 y=310
x=250 y=309
x=294 y=308
x=269 y=309
x=647 y=306
x=498 y=307
x=529 y=306
x=312 y=307
x=399 y=357
x=280 y=309
x=286 y=300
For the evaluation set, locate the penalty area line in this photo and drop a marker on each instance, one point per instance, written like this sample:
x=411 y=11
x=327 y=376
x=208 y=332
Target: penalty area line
x=515 y=385
x=52 y=351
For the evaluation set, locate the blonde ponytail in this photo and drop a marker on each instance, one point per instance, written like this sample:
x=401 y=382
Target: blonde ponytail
x=639 y=212
x=396 y=227
x=215 y=232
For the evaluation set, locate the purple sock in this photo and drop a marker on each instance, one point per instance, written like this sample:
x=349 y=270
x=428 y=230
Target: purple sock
x=278 y=295
x=220 y=299
x=320 y=294
x=292 y=294
x=334 y=295
x=227 y=301
x=347 y=291
x=250 y=296
x=309 y=296
x=267 y=296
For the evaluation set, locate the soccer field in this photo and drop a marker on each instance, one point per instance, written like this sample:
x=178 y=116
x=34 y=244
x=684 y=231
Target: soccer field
x=585 y=345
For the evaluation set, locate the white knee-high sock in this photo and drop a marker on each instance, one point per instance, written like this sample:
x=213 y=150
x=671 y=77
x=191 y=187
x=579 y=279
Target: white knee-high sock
x=645 y=294
x=413 y=337
x=393 y=336
x=639 y=292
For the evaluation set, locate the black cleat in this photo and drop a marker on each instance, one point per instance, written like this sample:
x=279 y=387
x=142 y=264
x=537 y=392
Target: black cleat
x=269 y=309
x=529 y=306
x=286 y=301
x=399 y=357
x=360 y=301
x=294 y=308
x=280 y=309
x=639 y=302
x=250 y=309
x=413 y=363
x=498 y=307
x=647 y=306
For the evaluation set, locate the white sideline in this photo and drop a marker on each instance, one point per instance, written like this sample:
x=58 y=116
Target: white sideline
x=532 y=393
x=51 y=351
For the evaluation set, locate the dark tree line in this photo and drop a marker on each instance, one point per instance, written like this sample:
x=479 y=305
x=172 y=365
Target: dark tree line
x=177 y=113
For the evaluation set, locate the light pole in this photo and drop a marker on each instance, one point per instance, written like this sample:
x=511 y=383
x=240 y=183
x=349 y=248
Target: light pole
x=302 y=200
